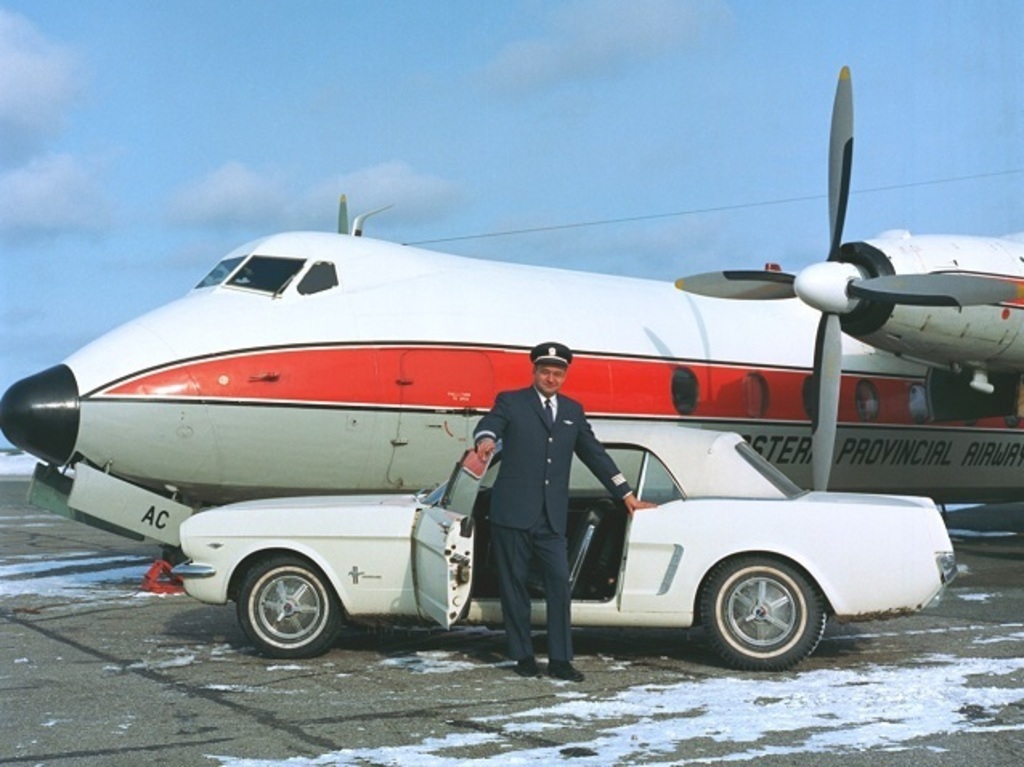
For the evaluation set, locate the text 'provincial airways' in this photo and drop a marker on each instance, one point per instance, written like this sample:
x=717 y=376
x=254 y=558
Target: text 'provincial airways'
x=896 y=452
x=796 y=450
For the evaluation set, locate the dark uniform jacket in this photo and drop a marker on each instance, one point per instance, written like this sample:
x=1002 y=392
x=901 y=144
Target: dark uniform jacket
x=536 y=458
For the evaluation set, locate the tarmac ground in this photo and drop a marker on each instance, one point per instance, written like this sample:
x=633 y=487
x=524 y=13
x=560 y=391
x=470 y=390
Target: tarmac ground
x=94 y=671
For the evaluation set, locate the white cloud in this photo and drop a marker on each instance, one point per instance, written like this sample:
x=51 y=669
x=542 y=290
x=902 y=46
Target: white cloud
x=235 y=195
x=592 y=38
x=39 y=80
x=415 y=196
x=52 y=194
x=231 y=195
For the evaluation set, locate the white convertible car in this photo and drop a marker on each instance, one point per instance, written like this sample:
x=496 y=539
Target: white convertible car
x=733 y=546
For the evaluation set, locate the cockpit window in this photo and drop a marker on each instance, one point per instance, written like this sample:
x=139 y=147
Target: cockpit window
x=321 y=276
x=266 y=274
x=220 y=272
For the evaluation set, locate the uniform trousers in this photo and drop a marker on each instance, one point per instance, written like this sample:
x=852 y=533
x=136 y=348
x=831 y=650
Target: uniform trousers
x=514 y=550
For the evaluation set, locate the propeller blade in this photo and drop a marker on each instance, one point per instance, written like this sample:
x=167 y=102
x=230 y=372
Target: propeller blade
x=828 y=363
x=937 y=289
x=749 y=285
x=840 y=160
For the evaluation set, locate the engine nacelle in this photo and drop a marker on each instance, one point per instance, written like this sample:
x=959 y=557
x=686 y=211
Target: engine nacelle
x=975 y=337
x=868 y=316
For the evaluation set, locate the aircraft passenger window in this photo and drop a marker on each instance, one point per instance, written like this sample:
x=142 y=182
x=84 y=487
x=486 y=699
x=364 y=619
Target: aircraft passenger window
x=685 y=390
x=266 y=274
x=755 y=395
x=917 y=401
x=321 y=276
x=809 y=395
x=220 y=272
x=867 y=400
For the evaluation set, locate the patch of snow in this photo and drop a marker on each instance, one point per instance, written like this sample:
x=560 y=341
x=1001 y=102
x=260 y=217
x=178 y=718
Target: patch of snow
x=822 y=712
x=17 y=464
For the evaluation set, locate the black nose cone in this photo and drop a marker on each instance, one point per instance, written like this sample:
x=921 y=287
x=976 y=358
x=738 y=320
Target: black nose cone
x=40 y=414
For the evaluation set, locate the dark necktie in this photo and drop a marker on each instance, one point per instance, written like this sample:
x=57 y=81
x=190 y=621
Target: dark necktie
x=549 y=412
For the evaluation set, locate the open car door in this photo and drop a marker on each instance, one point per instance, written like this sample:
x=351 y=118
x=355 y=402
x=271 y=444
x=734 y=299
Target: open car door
x=443 y=546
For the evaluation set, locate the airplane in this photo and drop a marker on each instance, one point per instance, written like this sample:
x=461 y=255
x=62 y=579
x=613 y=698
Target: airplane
x=323 y=363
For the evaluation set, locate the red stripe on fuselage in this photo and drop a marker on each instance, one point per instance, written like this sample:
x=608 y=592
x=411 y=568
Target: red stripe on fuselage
x=467 y=378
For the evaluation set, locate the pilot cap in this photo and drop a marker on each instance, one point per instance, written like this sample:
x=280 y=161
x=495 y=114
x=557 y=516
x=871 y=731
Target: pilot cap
x=551 y=353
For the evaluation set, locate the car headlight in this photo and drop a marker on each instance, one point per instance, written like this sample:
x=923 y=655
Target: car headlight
x=946 y=560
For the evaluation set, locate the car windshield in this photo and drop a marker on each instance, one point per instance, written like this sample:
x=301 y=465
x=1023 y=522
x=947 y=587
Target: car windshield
x=781 y=482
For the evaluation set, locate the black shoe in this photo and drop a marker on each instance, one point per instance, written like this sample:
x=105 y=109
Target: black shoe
x=563 y=669
x=527 y=667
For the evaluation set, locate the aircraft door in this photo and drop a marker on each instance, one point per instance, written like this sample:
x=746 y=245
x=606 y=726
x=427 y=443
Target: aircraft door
x=440 y=395
x=442 y=564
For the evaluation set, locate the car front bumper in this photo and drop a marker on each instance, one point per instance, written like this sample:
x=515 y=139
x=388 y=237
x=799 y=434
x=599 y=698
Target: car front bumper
x=187 y=570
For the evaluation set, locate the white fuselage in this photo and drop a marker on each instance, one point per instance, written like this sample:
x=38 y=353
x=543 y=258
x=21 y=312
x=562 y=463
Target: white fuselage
x=375 y=384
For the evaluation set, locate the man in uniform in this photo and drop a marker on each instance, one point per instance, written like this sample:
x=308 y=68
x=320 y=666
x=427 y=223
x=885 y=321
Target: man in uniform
x=540 y=431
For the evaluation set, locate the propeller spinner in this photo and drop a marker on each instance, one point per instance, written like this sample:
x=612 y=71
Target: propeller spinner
x=835 y=288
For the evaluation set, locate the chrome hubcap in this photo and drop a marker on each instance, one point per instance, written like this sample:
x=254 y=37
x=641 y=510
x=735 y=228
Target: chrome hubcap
x=289 y=607
x=762 y=611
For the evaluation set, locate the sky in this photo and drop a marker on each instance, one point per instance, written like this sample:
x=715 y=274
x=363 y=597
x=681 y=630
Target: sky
x=140 y=142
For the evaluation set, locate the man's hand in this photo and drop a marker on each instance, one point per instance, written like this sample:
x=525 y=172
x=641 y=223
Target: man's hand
x=634 y=504
x=484 y=448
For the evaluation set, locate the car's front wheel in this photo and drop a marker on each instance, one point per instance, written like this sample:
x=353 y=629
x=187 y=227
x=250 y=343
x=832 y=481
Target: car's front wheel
x=762 y=614
x=287 y=608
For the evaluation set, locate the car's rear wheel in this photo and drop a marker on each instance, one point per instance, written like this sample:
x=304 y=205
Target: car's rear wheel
x=288 y=609
x=762 y=614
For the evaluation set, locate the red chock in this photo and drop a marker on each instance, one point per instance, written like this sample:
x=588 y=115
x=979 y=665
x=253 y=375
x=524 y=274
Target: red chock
x=160 y=580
